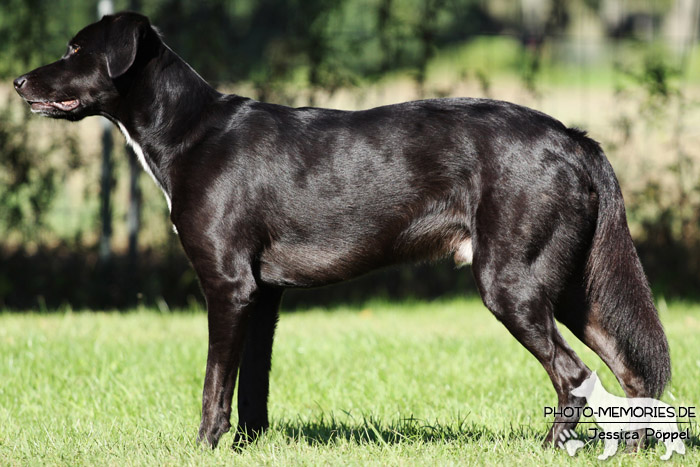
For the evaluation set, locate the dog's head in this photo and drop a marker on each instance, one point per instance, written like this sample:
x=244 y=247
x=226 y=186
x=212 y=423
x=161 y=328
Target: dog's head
x=88 y=79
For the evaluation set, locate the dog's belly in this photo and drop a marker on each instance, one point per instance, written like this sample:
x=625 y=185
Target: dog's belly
x=311 y=265
x=318 y=264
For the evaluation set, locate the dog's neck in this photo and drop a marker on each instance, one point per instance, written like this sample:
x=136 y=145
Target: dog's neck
x=163 y=106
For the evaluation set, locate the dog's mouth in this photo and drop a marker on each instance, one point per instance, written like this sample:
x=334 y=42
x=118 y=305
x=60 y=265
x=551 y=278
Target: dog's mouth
x=65 y=106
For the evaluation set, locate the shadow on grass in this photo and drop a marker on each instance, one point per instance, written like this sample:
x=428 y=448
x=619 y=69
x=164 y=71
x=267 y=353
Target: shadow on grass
x=369 y=430
x=596 y=445
x=693 y=442
x=328 y=430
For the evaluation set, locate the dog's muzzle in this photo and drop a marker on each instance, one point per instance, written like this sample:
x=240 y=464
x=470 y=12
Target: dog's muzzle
x=40 y=105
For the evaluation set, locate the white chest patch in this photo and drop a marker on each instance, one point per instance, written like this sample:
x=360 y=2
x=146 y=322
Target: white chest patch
x=142 y=158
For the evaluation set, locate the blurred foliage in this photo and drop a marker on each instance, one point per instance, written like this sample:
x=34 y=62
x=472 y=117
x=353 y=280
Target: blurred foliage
x=300 y=51
x=33 y=32
x=335 y=40
x=667 y=205
x=28 y=181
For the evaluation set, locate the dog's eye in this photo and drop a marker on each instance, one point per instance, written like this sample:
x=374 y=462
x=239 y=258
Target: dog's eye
x=74 y=49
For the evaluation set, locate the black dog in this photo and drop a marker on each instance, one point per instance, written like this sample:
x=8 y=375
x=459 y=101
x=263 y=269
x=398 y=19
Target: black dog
x=266 y=197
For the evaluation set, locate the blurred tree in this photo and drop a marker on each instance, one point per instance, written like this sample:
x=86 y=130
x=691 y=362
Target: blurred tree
x=385 y=32
x=106 y=7
x=311 y=29
x=295 y=51
x=427 y=30
x=27 y=183
x=133 y=216
x=542 y=20
x=106 y=186
x=34 y=32
x=27 y=180
x=22 y=27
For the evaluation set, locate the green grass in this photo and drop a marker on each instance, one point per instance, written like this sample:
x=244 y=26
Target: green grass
x=408 y=384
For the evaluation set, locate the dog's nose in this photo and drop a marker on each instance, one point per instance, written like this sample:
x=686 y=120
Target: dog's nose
x=19 y=82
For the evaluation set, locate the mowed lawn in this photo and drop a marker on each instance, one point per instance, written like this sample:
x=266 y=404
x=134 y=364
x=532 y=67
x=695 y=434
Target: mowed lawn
x=397 y=384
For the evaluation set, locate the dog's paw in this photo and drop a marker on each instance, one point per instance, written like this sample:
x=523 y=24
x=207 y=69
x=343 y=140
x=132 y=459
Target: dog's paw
x=568 y=440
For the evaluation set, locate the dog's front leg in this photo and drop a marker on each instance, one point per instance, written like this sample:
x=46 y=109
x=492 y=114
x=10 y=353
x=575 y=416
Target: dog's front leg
x=230 y=298
x=254 y=373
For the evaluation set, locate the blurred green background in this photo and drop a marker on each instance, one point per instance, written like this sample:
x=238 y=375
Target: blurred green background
x=80 y=226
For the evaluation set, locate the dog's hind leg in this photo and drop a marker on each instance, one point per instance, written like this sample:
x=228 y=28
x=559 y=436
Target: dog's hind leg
x=254 y=373
x=585 y=323
x=518 y=301
x=524 y=253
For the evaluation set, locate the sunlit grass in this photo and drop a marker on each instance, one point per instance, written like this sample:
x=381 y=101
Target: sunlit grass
x=410 y=383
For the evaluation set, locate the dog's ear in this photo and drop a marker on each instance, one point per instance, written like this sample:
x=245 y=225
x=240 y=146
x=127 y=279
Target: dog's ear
x=122 y=44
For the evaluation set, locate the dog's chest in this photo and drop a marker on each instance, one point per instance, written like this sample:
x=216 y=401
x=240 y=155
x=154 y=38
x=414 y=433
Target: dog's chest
x=144 y=163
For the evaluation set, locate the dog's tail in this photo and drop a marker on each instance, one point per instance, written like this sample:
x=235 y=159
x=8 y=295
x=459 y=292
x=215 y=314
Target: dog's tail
x=616 y=287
